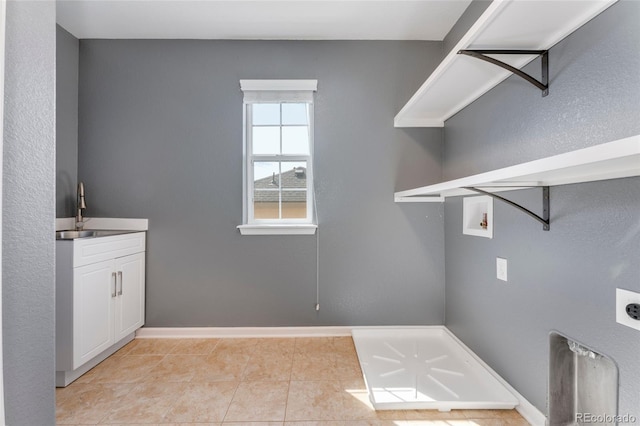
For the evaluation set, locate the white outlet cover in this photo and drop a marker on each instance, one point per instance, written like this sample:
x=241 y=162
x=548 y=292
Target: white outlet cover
x=501 y=268
x=623 y=298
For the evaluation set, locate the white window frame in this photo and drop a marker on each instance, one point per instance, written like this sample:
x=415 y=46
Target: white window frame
x=275 y=91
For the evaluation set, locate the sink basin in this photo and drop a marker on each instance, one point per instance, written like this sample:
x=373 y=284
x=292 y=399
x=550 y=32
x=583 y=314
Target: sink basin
x=89 y=233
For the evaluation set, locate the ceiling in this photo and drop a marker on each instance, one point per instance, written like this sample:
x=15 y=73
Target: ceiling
x=261 y=19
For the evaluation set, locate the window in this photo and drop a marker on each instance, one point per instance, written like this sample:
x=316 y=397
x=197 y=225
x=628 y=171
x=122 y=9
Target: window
x=278 y=149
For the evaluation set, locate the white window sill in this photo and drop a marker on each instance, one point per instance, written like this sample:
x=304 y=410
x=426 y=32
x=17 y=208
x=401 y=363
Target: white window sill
x=301 y=229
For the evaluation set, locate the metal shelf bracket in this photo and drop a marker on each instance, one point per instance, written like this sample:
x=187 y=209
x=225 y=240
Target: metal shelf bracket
x=544 y=55
x=544 y=219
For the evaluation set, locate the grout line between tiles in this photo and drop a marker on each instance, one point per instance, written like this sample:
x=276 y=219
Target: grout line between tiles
x=286 y=402
x=238 y=383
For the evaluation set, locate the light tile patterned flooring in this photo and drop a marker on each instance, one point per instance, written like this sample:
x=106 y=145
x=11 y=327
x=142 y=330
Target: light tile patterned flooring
x=300 y=381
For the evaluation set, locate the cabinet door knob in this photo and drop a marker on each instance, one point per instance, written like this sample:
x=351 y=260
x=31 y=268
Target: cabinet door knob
x=120 y=279
x=115 y=279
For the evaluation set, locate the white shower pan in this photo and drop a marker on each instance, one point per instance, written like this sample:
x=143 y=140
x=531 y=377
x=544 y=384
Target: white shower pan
x=425 y=368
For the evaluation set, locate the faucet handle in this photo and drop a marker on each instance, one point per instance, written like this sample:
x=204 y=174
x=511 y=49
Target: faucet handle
x=80 y=195
x=81 y=205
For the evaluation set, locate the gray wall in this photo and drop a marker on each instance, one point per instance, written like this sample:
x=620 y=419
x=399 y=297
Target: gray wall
x=67 y=57
x=564 y=279
x=28 y=213
x=161 y=137
x=466 y=21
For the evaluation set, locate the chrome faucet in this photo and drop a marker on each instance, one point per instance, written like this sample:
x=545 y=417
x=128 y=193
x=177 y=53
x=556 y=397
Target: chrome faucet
x=81 y=206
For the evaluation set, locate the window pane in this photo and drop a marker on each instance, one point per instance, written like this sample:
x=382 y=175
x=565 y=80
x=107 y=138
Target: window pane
x=295 y=114
x=294 y=175
x=295 y=140
x=265 y=205
x=266 y=140
x=294 y=204
x=265 y=173
x=266 y=190
x=264 y=114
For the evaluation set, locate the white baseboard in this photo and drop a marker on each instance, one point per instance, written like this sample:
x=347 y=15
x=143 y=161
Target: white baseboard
x=530 y=413
x=233 y=332
x=525 y=408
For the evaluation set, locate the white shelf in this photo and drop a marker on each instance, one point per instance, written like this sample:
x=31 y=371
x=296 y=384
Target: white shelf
x=612 y=160
x=505 y=24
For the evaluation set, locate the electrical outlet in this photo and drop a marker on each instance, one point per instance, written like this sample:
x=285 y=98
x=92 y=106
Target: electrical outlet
x=623 y=299
x=501 y=268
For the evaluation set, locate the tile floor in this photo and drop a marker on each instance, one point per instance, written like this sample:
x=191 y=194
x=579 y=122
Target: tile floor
x=300 y=381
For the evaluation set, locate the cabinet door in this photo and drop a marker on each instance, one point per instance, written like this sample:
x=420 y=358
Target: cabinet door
x=93 y=305
x=129 y=314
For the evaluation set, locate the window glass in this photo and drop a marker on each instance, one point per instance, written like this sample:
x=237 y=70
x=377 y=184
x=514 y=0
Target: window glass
x=295 y=114
x=295 y=140
x=266 y=114
x=294 y=189
x=294 y=204
x=266 y=140
x=294 y=174
x=266 y=190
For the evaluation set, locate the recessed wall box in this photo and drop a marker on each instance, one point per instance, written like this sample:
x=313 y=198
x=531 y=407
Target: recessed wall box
x=477 y=216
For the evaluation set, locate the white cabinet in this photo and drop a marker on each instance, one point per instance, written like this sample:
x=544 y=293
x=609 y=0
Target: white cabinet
x=108 y=304
x=100 y=292
x=93 y=307
x=129 y=312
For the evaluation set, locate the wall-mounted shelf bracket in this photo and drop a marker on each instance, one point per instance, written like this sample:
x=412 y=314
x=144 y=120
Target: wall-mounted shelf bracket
x=544 y=55
x=544 y=219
